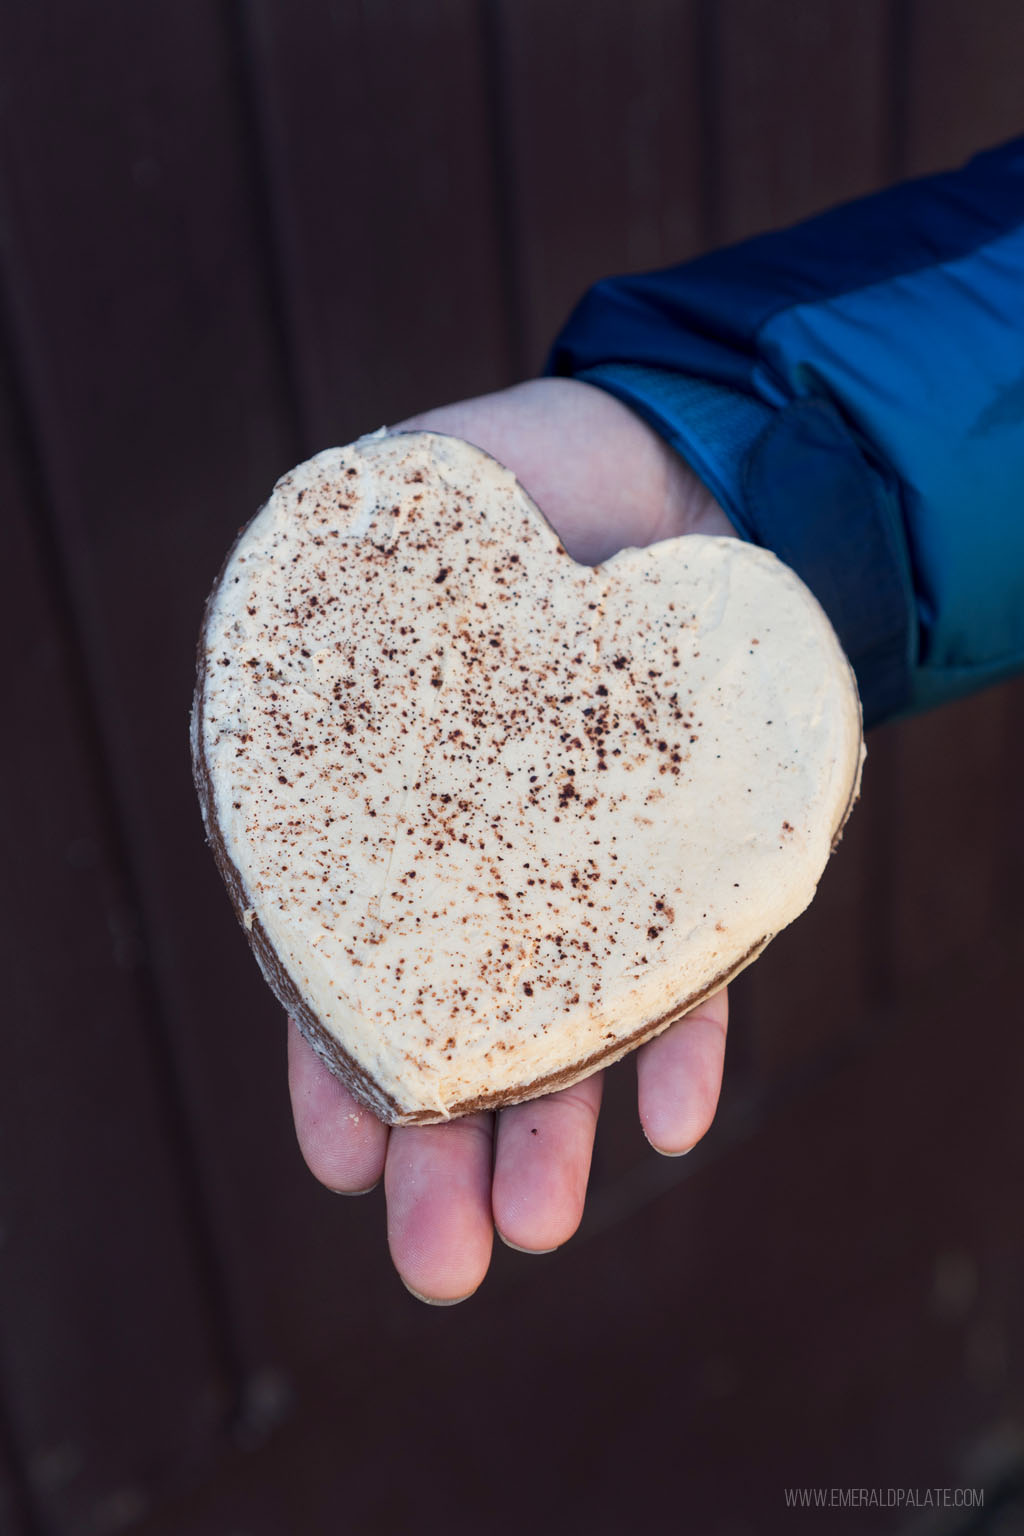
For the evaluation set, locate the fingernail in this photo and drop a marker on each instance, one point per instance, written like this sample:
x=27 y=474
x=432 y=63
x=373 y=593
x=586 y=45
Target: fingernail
x=664 y=1152
x=510 y=1244
x=353 y=1192
x=437 y=1301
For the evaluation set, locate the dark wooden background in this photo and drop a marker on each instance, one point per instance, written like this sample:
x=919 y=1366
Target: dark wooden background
x=233 y=234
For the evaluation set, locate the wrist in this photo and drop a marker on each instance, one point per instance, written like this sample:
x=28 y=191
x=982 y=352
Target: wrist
x=599 y=473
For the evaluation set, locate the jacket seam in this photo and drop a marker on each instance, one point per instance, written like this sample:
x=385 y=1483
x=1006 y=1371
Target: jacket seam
x=806 y=305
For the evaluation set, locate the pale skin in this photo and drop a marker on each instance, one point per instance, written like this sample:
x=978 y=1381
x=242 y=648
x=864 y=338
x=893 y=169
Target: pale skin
x=605 y=480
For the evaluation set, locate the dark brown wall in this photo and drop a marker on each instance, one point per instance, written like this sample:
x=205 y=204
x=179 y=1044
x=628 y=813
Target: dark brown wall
x=232 y=234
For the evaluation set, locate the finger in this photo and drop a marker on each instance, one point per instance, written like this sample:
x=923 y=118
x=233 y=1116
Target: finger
x=342 y=1141
x=438 y=1183
x=679 y=1077
x=541 y=1166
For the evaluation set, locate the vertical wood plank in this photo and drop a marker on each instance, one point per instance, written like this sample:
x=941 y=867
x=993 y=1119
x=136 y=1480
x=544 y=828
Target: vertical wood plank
x=602 y=126
x=1009 y=894
x=376 y=127
x=15 y=1513
x=140 y=310
x=956 y=785
x=965 y=66
x=103 y=1303
x=801 y=108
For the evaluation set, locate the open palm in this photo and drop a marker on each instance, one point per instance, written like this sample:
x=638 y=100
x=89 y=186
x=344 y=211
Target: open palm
x=605 y=481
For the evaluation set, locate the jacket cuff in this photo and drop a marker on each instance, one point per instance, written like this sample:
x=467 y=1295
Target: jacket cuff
x=797 y=481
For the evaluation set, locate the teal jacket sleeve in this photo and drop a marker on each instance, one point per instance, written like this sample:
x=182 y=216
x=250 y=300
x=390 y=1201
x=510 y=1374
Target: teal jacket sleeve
x=852 y=391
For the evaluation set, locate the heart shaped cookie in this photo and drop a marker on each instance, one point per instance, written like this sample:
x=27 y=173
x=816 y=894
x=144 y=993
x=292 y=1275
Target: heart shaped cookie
x=490 y=818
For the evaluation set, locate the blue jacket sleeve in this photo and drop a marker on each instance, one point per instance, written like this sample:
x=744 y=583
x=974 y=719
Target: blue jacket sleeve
x=852 y=391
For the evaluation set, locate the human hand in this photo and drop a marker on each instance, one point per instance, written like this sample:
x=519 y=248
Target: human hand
x=605 y=481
